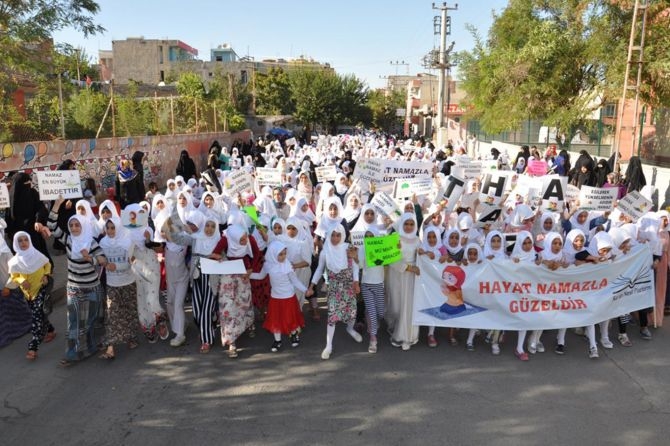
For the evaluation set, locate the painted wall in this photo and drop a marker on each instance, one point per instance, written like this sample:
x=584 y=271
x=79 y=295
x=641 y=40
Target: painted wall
x=99 y=158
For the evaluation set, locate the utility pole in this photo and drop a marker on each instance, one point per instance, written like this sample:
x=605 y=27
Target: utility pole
x=442 y=62
x=60 y=105
x=398 y=64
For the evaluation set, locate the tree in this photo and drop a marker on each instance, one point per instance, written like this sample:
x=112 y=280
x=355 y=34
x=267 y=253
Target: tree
x=273 y=93
x=555 y=60
x=85 y=110
x=383 y=107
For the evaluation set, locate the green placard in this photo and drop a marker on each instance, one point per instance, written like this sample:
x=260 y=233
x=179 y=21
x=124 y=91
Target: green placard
x=382 y=250
x=253 y=214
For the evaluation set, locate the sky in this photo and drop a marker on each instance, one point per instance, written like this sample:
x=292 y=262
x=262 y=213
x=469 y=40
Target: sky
x=364 y=37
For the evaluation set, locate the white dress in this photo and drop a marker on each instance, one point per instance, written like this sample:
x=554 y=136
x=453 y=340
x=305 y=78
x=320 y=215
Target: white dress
x=400 y=292
x=148 y=278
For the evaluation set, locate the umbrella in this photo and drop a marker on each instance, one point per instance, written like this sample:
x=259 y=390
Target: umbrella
x=278 y=131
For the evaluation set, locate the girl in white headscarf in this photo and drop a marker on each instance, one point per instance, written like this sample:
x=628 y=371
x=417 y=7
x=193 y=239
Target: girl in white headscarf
x=343 y=285
x=300 y=249
x=372 y=290
x=106 y=210
x=352 y=211
x=121 y=316
x=551 y=257
x=331 y=217
x=203 y=237
x=29 y=271
x=400 y=285
x=494 y=246
x=236 y=311
x=284 y=312
x=185 y=206
x=302 y=211
x=171 y=191
x=523 y=252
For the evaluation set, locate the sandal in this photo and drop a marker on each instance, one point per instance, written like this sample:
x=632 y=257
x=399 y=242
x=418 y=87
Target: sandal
x=205 y=348
x=65 y=363
x=31 y=355
x=107 y=356
x=132 y=345
x=49 y=336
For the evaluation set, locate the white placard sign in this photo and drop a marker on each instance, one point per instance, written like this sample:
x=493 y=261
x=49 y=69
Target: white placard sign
x=326 y=173
x=597 y=198
x=238 y=181
x=634 y=205
x=467 y=168
x=357 y=237
x=493 y=188
x=385 y=204
x=382 y=171
x=59 y=183
x=4 y=196
x=572 y=193
x=290 y=142
x=209 y=266
x=132 y=219
x=267 y=176
x=406 y=187
x=553 y=195
x=454 y=189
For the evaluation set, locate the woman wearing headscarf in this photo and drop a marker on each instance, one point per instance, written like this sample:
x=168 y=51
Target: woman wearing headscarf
x=121 y=290
x=15 y=313
x=137 y=159
x=27 y=213
x=236 y=312
x=634 y=178
x=400 y=285
x=209 y=175
x=29 y=271
x=129 y=185
x=185 y=166
x=83 y=285
x=68 y=209
x=300 y=250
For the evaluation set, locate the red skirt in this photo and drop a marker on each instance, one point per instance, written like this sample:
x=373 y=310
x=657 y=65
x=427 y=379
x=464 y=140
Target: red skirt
x=284 y=316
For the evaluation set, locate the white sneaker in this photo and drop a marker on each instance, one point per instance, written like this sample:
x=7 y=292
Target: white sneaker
x=325 y=354
x=178 y=341
x=495 y=349
x=372 y=348
x=606 y=343
x=540 y=347
x=532 y=348
x=356 y=335
x=579 y=331
x=406 y=346
x=593 y=353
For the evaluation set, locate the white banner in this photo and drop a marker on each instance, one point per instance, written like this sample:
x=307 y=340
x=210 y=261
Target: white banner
x=406 y=187
x=505 y=295
x=634 y=205
x=385 y=204
x=597 y=198
x=326 y=173
x=382 y=171
x=238 y=181
x=467 y=168
x=4 y=196
x=59 y=183
x=267 y=176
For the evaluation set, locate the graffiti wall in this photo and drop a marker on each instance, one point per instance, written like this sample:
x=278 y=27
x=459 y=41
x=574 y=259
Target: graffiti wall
x=99 y=158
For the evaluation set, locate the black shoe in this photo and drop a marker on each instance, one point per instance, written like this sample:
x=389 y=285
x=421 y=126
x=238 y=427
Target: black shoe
x=276 y=345
x=560 y=349
x=295 y=340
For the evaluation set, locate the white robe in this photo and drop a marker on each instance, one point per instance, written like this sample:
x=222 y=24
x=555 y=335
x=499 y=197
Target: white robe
x=400 y=296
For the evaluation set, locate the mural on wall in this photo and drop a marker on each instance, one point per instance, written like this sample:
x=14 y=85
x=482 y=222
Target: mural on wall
x=99 y=158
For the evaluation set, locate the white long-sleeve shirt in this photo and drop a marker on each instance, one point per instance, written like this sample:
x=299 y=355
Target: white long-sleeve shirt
x=282 y=286
x=322 y=266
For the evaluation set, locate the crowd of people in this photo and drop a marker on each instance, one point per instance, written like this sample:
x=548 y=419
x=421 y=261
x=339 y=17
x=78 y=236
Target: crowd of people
x=134 y=278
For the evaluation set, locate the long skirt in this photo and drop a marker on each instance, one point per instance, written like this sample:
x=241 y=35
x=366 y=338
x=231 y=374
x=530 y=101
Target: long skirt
x=15 y=318
x=341 y=297
x=236 y=313
x=149 y=309
x=82 y=310
x=121 y=320
x=204 y=301
x=284 y=316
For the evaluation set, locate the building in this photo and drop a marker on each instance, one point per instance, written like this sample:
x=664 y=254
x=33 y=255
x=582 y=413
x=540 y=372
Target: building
x=422 y=104
x=144 y=60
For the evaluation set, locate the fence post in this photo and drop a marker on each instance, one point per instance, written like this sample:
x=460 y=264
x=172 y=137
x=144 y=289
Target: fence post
x=195 y=101
x=172 y=112
x=215 y=128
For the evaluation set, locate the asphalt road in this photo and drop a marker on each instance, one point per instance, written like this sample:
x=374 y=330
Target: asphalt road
x=158 y=395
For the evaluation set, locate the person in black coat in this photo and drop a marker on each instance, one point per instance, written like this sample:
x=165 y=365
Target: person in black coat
x=186 y=166
x=129 y=188
x=27 y=213
x=137 y=159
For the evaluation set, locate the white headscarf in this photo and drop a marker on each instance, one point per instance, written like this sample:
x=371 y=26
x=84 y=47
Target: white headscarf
x=600 y=241
x=121 y=237
x=235 y=250
x=205 y=244
x=350 y=213
x=426 y=245
x=136 y=234
x=583 y=226
x=171 y=195
x=89 y=216
x=518 y=252
x=274 y=266
x=336 y=255
x=547 y=254
x=619 y=236
x=489 y=251
x=27 y=261
x=83 y=240
x=327 y=223
x=453 y=249
x=568 y=249
x=339 y=187
x=306 y=216
x=107 y=204
x=405 y=236
x=361 y=224
x=185 y=211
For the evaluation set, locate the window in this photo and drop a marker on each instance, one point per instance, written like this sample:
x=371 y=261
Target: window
x=160 y=54
x=162 y=76
x=243 y=76
x=219 y=58
x=609 y=111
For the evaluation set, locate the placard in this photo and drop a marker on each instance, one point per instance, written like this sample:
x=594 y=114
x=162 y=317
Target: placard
x=634 y=205
x=253 y=214
x=356 y=238
x=406 y=187
x=384 y=250
x=133 y=219
x=493 y=188
x=383 y=171
x=290 y=142
x=53 y=184
x=385 y=204
x=238 y=181
x=553 y=196
x=597 y=198
x=326 y=173
x=4 y=196
x=572 y=193
x=453 y=192
x=467 y=168
x=209 y=266
x=267 y=176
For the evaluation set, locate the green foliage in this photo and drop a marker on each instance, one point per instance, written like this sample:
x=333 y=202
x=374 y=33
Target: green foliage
x=383 y=108
x=133 y=116
x=273 y=93
x=189 y=85
x=84 y=112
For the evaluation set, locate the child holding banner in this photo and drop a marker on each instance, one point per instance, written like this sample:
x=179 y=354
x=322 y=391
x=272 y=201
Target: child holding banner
x=372 y=289
x=523 y=252
x=431 y=248
x=343 y=286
